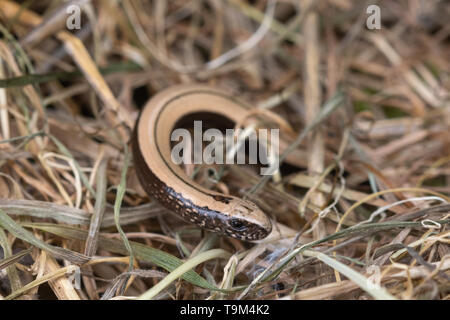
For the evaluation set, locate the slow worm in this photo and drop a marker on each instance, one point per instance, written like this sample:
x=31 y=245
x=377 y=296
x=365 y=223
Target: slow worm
x=168 y=183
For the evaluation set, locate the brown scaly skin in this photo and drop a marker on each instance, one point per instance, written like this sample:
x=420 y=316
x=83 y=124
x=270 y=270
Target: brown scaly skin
x=202 y=216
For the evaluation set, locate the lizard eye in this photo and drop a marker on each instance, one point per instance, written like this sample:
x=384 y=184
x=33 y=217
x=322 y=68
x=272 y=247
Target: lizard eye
x=237 y=224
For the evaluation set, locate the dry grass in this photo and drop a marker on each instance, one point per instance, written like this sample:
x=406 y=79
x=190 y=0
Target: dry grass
x=366 y=198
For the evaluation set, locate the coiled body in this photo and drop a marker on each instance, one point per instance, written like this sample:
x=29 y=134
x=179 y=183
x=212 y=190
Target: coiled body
x=168 y=183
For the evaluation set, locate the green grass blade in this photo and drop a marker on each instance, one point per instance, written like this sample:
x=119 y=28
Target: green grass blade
x=13 y=259
x=40 y=78
x=118 y=203
x=141 y=251
x=181 y=270
x=364 y=283
x=18 y=231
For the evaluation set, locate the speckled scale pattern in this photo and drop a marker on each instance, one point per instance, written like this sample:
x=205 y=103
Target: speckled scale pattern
x=186 y=209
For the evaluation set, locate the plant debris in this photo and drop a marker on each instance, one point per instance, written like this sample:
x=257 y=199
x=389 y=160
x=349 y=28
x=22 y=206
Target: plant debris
x=362 y=213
